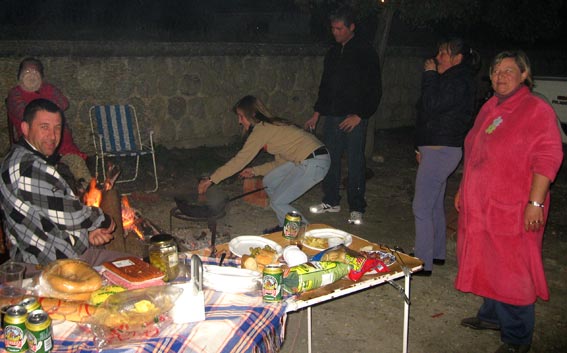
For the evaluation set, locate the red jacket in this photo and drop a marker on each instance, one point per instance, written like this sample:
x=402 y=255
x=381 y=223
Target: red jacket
x=509 y=142
x=19 y=98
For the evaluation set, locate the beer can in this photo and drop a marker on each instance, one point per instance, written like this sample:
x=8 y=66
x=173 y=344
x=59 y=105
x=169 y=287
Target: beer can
x=3 y=313
x=15 y=338
x=291 y=225
x=272 y=281
x=40 y=334
x=30 y=303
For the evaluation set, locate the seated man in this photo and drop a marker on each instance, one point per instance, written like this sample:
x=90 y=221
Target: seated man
x=32 y=86
x=43 y=218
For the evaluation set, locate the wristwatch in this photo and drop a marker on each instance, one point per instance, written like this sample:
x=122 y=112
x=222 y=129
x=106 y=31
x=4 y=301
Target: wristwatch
x=536 y=204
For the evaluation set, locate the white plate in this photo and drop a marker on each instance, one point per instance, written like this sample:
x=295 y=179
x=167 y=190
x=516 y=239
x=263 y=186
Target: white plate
x=241 y=245
x=335 y=237
x=231 y=279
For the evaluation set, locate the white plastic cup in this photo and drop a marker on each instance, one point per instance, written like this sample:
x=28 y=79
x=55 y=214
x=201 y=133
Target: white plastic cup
x=11 y=278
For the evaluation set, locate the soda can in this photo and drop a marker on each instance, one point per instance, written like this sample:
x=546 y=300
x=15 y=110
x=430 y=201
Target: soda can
x=40 y=334
x=15 y=338
x=30 y=303
x=291 y=225
x=272 y=281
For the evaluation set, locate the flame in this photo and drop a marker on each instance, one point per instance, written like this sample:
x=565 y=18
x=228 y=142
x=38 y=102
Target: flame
x=129 y=218
x=93 y=196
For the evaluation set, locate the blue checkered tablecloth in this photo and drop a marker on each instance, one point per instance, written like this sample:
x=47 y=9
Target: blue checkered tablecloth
x=234 y=323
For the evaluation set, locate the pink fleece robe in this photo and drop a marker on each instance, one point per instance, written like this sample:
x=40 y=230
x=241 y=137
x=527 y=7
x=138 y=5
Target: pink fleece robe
x=509 y=142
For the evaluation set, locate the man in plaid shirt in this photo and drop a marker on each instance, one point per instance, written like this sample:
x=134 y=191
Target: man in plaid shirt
x=43 y=218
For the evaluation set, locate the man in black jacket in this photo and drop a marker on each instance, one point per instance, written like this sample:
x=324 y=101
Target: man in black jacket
x=349 y=94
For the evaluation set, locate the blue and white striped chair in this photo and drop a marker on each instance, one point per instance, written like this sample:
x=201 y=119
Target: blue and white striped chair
x=116 y=134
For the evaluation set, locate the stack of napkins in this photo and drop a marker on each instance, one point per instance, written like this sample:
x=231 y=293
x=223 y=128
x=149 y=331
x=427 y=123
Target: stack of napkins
x=132 y=273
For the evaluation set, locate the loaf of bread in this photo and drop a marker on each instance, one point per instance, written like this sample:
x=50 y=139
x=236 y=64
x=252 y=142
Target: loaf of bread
x=259 y=261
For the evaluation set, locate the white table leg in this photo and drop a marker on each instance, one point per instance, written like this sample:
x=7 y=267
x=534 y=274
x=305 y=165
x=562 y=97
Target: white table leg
x=407 y=278
x=309 y=329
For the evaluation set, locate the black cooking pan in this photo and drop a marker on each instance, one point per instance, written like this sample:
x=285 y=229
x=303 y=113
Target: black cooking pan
x=213 y=208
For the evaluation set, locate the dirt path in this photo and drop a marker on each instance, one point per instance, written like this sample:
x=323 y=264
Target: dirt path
x=371 y=321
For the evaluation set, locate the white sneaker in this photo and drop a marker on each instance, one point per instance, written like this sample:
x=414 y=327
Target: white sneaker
x=324 y=207
x=355 y=218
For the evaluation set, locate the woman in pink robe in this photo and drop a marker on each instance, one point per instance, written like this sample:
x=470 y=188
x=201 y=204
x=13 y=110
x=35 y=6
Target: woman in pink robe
x=512 y=154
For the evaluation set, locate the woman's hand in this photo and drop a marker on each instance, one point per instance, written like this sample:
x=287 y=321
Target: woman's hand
x=247 y=173
x=456 y=201
x=533 y=218
x=204 y=184
x=430 y=65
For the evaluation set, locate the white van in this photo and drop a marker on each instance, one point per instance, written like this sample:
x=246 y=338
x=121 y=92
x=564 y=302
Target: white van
x=554 y=89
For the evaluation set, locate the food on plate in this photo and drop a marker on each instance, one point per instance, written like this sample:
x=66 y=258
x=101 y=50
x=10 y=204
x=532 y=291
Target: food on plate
x=312 y=275
x=315 y=242
x=100 y=295
x=259 y=258
x=132 y=273
x=75 y=311
x=68 y=279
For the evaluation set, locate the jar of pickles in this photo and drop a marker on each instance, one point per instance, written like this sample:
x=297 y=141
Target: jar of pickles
x=163 y=255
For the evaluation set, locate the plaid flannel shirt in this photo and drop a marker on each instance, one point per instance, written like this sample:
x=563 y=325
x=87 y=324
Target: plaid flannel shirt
x=43 y=218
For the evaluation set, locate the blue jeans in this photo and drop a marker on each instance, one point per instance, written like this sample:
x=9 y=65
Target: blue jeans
x=429 y=202
x=516 y=322
x=289 y=181
x=337 y=142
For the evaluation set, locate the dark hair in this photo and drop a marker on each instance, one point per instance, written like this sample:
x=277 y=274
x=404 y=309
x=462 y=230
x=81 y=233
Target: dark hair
x=32 y=61
x=521 y=60
x=255 y=111
x=37 y=105
x=456 y=46
x=344 y=14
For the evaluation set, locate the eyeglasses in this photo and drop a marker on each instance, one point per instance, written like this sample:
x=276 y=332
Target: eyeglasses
x=506 y=72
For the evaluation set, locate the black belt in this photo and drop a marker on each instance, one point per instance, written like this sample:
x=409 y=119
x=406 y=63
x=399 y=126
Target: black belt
x=319 y=151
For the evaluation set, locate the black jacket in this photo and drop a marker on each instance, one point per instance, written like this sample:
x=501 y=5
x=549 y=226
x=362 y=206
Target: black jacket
x=446 y=107
x=351 y=81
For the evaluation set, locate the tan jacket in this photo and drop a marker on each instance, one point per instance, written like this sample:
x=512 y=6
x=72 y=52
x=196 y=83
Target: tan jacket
x=287 y=143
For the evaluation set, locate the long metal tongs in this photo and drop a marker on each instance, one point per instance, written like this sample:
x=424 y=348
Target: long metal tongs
x=406 y=271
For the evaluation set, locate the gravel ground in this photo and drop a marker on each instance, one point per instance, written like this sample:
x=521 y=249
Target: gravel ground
x=372 y=321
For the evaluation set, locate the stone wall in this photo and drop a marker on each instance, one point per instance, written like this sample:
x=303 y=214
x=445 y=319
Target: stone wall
x=184 y=91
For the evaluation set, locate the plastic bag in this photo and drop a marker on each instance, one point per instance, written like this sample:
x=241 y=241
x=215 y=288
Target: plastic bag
x=68 y=279
x=133 y=315
x=359 y=264
x=311 y=275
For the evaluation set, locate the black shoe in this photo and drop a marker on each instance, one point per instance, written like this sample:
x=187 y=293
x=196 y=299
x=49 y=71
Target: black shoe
x=478 y=324
x=422 y=273
x=513 y=348
x=439 y=262
x=272 y=230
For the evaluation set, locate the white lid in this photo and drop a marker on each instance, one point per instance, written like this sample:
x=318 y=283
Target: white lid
x=294 y=256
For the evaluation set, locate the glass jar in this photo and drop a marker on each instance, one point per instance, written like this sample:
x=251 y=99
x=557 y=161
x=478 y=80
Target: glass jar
x=163 y=255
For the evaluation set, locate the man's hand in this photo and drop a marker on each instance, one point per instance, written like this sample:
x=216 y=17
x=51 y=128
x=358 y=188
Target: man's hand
x=418 y=157
x=312 y=123
x=247 y=173
x=350 y=123
x=102 y=236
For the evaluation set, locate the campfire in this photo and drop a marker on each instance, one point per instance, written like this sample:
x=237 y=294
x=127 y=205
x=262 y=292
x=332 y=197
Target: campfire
x=128 y=220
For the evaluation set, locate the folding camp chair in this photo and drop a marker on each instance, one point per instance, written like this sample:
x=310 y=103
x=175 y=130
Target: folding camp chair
x=116 y=134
